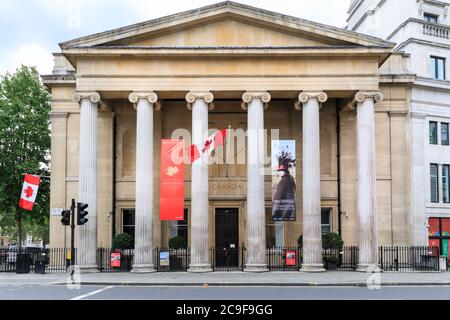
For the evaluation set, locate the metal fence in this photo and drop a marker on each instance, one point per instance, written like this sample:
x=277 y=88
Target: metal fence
x=409 y=258
x=104 y=260
x=227 y=259
x=283 y=258
x=398 y=259
x=340 y=259
x=172 y=260
x=53 y=259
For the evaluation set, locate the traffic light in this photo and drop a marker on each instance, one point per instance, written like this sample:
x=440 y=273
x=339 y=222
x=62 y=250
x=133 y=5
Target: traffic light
x=65 y=220
x=82 y=213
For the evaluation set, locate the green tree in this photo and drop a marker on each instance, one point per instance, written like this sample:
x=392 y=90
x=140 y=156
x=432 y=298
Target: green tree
x=24 y=148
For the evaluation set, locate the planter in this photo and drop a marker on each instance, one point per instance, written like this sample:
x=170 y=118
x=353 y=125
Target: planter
x=176 y=263
x=331 y=265
x=125 y=263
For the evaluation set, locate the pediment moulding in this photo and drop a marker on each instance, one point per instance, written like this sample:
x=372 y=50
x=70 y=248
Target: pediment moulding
x=229 y=9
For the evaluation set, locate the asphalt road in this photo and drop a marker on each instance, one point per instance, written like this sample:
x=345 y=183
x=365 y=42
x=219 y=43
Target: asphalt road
x=61 y=292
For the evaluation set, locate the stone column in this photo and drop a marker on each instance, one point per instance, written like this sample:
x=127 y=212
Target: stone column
x=144 y=103
x=367 y=179
x=312 y=231
x=255 y=228
x=198 y=102
x=86 y=254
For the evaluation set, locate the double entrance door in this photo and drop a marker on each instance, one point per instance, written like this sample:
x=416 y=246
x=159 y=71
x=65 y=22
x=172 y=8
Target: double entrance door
x=227 y=251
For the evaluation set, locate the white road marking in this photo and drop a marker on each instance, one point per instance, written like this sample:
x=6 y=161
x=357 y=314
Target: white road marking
x=92 y=293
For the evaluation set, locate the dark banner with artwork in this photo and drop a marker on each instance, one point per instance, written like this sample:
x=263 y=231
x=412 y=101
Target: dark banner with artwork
x=172 y=180
x=283 y=180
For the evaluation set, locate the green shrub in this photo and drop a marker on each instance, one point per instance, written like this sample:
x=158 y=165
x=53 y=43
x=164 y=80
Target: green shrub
x=122 y=241
x=332 y=240
x=178 y=242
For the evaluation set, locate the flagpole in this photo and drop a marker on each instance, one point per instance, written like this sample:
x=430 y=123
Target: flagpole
x=37 y=175
x=227 y=139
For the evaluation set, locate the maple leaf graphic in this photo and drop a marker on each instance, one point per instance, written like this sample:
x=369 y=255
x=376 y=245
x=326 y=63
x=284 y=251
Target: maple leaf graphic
x=28 y=192
x=206 y=146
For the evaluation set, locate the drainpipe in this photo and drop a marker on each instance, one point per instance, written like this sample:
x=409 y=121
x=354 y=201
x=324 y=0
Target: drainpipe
x=114 y=175
x=338 y=163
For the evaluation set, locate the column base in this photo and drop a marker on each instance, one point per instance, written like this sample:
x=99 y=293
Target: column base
x=88 y=268
x=369 y=268
x=313 y=268
x=256 y=268
x=200 y=268
x=143 y=268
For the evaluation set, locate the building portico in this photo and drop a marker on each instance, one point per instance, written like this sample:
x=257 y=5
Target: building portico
x=197 y=71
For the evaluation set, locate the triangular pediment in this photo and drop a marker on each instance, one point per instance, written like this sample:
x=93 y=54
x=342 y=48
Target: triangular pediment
x=227 y=24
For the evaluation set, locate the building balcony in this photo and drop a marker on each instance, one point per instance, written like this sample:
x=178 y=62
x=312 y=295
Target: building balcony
x=420 y=30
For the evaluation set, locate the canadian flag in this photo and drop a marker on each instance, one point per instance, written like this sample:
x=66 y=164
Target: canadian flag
x=29 y=192
x=218 y=139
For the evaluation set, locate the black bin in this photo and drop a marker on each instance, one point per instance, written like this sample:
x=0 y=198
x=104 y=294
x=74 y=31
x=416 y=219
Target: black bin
x=23 y=263
x=39 y=266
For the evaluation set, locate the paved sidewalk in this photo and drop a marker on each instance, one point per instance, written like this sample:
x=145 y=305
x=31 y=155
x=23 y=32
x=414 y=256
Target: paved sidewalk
x=235 y=279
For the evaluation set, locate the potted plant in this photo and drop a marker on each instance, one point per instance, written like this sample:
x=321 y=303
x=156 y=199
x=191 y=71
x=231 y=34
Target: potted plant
x=123 y=243
x=177 y=243
x=331 y=262
x=332 y=241
x=332 y=244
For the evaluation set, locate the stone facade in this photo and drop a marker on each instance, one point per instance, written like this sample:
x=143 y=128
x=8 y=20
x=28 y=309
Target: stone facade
x=272 y=63
x=406 y=24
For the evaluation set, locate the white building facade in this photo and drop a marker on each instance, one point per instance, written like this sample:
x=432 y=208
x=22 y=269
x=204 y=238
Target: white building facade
x=421 y=29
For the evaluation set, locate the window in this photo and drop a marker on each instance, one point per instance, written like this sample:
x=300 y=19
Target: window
x=439 y=235
x=430 y=18
x=128 y=221
x=444 y=134
x=434 y=182
x=326 y=221
x=274 y=231
x=445 y=183
x=180 y=228
x=437 y=67
x=433 y=132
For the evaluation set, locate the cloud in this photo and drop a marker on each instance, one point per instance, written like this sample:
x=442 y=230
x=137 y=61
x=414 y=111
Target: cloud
x=32 y=29
x=30 y=55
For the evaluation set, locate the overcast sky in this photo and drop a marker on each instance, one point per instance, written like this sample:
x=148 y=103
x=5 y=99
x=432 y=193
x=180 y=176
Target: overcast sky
x=32 y=29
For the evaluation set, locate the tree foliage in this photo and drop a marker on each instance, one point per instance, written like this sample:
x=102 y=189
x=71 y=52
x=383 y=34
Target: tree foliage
x=24 y=148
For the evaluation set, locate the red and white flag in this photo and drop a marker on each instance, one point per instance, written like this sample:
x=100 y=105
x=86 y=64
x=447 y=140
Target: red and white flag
x=29 y=192
x=218 y=139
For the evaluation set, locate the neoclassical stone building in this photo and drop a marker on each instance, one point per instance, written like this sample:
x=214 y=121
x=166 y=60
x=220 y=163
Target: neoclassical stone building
x=342 y=96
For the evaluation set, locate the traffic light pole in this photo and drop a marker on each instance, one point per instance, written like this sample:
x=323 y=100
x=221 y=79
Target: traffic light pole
x=72 y=234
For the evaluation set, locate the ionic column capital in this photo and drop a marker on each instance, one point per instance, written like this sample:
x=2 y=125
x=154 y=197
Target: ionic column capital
x=304 y=97
x=364 y=95
x=206 y=96
x=94 y=97
x=248 y=96
x=150 y=96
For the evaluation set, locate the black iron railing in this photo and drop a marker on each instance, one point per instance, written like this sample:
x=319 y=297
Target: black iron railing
x=391 y=258
x=283 y=258
x=408 y=258
x=172 y=260
x=227 y=259
x=105 y=256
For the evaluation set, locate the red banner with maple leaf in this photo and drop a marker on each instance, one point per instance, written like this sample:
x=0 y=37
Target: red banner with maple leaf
x=171 y=196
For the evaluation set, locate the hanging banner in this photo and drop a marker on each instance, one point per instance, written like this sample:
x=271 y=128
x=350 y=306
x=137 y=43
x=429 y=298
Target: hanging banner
x=283 y=180
x=172 y=180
